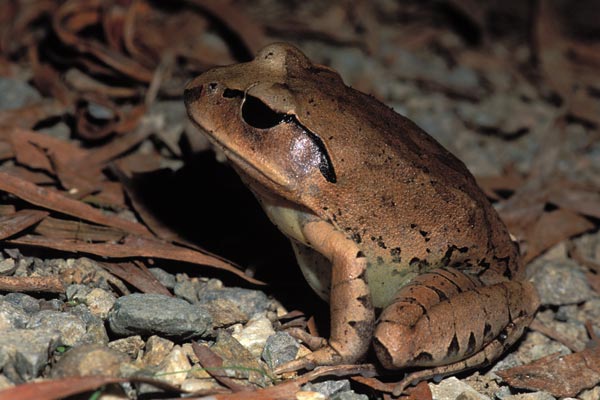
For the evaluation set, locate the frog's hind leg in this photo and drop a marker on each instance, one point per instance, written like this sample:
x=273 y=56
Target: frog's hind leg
x=450 y=321
x=481 y=359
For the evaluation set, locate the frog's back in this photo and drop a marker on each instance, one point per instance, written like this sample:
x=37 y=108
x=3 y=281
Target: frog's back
x=410 y=204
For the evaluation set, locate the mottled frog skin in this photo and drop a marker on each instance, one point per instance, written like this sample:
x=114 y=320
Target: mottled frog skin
x=386 y=224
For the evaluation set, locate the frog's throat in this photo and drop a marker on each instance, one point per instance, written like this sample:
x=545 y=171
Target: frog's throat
x=241 y=164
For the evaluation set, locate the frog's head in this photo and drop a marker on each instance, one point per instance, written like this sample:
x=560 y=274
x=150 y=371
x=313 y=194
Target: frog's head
x=250 y=110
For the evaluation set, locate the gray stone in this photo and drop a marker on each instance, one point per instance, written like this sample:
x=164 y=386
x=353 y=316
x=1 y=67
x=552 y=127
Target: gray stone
x=29 y=304
x=588 y=311
x=573 y=330
x=72 y=328
x=95 y=330
x=147 y=314
x=16 y=93
x=12 y=316
x=187 y=290
x=77 y=292
x=24 y=266
x=24 y=352
x=561 y=282
x=279 y=349
x=248 y=302
x=167 y=279
x=533 y=347
x=328 y=388
x=8 y=266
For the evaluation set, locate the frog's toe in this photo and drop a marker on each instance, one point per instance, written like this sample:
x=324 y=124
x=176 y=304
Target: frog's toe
x=295 y=365
x=324 y=356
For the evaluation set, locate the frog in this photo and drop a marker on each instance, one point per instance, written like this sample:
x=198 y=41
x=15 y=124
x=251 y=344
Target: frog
x=386 y=224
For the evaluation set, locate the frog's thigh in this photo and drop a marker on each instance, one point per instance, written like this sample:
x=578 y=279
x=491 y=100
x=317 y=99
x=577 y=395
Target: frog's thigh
x=446 y=316
x=352 y=314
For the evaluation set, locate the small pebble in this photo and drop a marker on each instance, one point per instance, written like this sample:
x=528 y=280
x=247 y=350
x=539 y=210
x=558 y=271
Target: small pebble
x=254 y=335
x=279 y=349
x=157 y=349
x=29 y=304
x=71 y=327
x=241 y=362
x=310 y=395
x=196 y=385
x=349 y=395
x=187 y=290
x=451 y=388
x=241 y=303
x=328 y=388
x=175 y=367
x=7 y=266
x=89 y=359
x=167 y=279
x=532 y=347
x=98 y=301
x=24 y=352
x=12 y=315
x=96 y=332
x=132 y=346
x=591 y=394
x=560 y=282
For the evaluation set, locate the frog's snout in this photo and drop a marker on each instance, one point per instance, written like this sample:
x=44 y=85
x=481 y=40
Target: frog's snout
x=192 y=93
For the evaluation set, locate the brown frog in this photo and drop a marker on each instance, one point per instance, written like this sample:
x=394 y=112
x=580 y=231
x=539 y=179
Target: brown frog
x=386 y=224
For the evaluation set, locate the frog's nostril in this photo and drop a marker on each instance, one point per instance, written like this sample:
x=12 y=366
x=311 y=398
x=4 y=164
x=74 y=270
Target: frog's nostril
x=193 y=94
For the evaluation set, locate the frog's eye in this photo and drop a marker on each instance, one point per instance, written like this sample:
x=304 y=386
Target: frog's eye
x=232 y=93
x=258 y=115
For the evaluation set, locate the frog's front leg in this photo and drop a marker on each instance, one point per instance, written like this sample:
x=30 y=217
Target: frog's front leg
x=451 y=321
x=352 y=314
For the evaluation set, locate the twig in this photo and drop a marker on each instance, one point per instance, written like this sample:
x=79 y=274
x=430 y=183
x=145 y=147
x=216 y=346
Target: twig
x=48 y=284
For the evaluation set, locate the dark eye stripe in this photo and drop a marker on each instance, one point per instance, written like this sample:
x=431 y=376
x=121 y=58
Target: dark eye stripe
x=325 y=165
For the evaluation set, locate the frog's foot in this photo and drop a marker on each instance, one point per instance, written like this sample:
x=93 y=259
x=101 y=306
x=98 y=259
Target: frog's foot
x=481 y=359
x=326 y=355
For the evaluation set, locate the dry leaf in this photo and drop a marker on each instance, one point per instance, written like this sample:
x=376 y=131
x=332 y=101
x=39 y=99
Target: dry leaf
x=559 y=375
